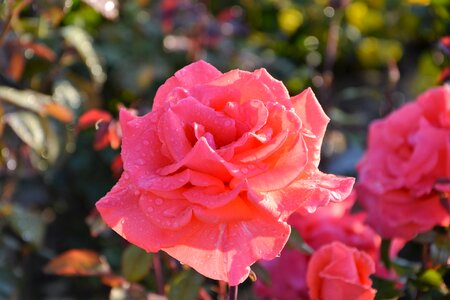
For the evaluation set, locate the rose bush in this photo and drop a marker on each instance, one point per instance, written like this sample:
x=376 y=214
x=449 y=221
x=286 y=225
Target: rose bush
x=404 y=175
x=328 y=224
x=213 y=172
x=339 y=272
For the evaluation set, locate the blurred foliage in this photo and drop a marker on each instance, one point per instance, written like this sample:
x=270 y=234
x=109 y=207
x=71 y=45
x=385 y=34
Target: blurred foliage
x=60 y=60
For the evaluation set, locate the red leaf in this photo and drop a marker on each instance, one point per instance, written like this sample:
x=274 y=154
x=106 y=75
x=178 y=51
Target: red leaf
x=92 y=117
x=40 y=50
x=114 y=135
x=112 y=280
x=117 y=166
x=444 y=44
x=59 y=112
x=78 y=262
x=102 y=140
x=16 y=65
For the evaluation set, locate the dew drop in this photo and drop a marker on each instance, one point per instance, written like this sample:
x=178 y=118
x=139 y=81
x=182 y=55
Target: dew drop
x=150 y=209
x=146 y=143
x=159 y=201
x=126 y=176
x=169 y=213
x=228 y=123
x=137 y=193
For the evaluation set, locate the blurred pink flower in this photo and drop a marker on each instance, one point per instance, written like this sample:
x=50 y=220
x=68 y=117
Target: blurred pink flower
x=328 y=224
x=404 y=175
x=213 y=172
x=338 y=272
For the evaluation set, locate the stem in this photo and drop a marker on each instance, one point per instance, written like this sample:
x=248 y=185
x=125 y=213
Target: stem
x=158 y=273
x=233 y=292
x=12 y=13
x=330 y=56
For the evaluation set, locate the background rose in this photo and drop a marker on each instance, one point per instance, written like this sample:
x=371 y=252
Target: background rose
x=407 y=158
x=213 y=172
x=328 y=224
x=339 y=272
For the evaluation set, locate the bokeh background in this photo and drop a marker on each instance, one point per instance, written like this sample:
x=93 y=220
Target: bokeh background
x=62 y=60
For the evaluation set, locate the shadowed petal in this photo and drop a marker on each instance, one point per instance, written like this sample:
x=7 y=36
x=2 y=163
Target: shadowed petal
x=225 y=251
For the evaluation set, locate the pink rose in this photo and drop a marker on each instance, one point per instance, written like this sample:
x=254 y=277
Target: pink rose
x=328 y=224
x=213 y=172
x=406 y=166
x=338 y=272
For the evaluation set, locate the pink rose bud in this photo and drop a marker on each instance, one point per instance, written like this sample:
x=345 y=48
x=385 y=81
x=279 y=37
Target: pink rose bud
x=338 y=272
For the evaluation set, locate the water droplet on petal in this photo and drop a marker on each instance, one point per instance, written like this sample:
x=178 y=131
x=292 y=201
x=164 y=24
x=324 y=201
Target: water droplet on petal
x=169 y=213
x=159 y=201
x=228 y=123
x=137 y=192
x=126 y=176
x=150 y=209
x=146 y=143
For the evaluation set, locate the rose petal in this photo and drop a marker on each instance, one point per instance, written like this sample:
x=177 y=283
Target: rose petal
x=199 y=72
x=121 y=211
x=191 y=111
x=171 y=133
x=203 y=159
x=213 y=197
x=314 y=122
x=403 y=215
x=225 y=252
x=285 y=167
x=139 y=143
x=326 y=188
x=166 y=213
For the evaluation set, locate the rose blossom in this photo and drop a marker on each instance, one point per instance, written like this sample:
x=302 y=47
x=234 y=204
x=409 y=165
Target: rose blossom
x=328 y=224
x=407 y=162
x=213 y=172
x=339 y=272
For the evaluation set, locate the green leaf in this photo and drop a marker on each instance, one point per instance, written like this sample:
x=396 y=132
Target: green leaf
x=28 y=128
x=28 y=225
x=82 y=42
x=296 y=241
x=136 y=263
x=385 y=288
x=431 y=277
x=185 y=285
x=26 y=99
x=385 y=246
x=66 y=94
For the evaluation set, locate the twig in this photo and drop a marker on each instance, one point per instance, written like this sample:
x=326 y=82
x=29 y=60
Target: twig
x=330 y=56
x=12 y=14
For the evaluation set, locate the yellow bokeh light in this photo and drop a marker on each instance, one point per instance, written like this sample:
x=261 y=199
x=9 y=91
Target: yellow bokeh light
x=290 y=19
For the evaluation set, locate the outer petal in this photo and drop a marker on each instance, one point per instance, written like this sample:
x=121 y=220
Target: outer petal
x=140 y=143
x=314 y=122
x=226 y=251
x=121 y=211
x=398 y=214
x=326 y=188
x=199 y=72
x=254 y=85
